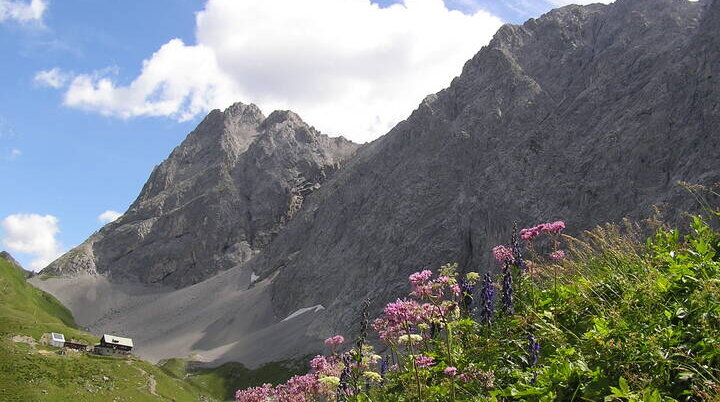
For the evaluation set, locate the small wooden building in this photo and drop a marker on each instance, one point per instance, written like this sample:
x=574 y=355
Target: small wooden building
x=57 y=340
x=114 y=345
x=76 y=346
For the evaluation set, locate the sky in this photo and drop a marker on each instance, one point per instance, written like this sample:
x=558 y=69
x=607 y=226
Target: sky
x=96 y=93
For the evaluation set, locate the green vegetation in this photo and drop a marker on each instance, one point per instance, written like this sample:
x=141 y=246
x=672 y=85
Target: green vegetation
x=35 y=372
x=30 y=371
x=222 y=382
x=614 y=316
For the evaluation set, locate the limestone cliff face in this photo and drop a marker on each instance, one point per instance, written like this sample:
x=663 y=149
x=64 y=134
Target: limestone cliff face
x=587 y=114
x=219 y=198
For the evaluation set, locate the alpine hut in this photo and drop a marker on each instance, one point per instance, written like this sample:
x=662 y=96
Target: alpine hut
x=114 y=345
x=57 y=340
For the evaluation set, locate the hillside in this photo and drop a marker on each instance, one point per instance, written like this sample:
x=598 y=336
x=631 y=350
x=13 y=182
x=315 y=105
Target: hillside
x=32 y=371
x=611 y=315
x=592 y=113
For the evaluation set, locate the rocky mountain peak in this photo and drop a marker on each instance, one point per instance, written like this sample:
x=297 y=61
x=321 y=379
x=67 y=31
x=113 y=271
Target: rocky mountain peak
x=219 y=198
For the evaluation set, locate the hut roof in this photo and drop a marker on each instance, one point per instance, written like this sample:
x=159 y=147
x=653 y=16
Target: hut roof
x=117 y=340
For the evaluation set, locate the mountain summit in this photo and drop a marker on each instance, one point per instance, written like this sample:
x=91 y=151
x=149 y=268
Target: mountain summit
x=218 y=199
x=587 y=114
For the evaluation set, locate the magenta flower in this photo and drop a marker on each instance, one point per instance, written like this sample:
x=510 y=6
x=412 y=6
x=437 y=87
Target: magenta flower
x=502 y=253
x=451 y=371
x=256 y=394
x=318 y=364
x=334 y=340
x=557 y=255
x=424 y=361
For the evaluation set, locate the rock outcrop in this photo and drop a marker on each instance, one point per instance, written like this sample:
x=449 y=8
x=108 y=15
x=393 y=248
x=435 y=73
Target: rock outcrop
x=219 y=198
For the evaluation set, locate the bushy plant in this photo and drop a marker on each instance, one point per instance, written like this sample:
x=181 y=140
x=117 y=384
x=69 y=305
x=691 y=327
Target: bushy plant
x=605 y=317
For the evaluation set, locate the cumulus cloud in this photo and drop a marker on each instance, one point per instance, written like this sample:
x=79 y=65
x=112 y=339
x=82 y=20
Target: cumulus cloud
x=21 y=11
x=109 y=216
x=32 y=234
x=347 y=66
x=54 y=78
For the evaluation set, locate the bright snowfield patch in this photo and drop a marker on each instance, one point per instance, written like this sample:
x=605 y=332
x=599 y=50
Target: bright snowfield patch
x=302 y=311
x=236 y=324
x=350 y=66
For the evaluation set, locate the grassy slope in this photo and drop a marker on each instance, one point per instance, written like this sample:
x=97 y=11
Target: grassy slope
x=222 y=382
x=40 y=374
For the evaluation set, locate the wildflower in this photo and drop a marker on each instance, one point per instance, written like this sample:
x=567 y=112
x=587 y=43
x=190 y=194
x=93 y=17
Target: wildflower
x=555 y=227
x=557 y=255
x=394 y=367
x=329 y=381
x=334 y=340
x=424 y=361
x=507 y=290
x=414 y=338
x=443 y=279
x=420 y=279
x=297 y=388
x=383 y=366
x=472 y=277
x=457 y=291
x=487 y=301
x=372 y=376
x=533 y=350
x=502 y=253
x=467 y=289
x=451 y=371
x=255 y=394
x=318 y=364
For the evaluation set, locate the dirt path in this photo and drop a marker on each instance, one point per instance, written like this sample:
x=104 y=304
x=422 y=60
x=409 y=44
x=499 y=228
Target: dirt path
x=151 y=381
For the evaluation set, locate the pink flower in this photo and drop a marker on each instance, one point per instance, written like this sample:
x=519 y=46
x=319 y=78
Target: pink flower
x=420 y=277
x=318 y=364
x=451 y=371
x=298 y=388
x=443 y=279
x=557 y=255
x=555 y=227
x=334 y=340
x=424 y=361
x=256 y=394
x=456 y=290
x=502 y=253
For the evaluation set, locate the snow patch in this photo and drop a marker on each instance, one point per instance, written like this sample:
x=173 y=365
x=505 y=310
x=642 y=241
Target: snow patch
x=316 y=309
x=253 y=277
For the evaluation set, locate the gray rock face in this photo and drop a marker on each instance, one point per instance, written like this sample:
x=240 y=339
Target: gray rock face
x=219 y=198
x=587 y=114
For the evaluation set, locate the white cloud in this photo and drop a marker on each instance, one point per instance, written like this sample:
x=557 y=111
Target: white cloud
x=21 y=11
x=54 y=78
x=347 y=66
x=32 y=234
x=109 y=216
x=14 y=153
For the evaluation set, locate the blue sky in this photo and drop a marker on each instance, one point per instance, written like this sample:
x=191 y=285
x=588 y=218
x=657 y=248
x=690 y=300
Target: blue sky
x=71 y=149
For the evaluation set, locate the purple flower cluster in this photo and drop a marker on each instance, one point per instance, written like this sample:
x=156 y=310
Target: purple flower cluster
x=487 y=299
x=424 y=361
x=507 y=290
x=533 y=350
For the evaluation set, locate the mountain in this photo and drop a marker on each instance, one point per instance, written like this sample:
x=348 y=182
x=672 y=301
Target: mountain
x=4 y=255
x=588 y=114
x=218 y=199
